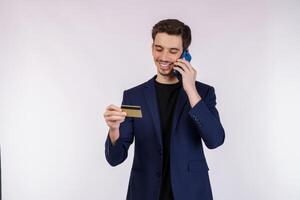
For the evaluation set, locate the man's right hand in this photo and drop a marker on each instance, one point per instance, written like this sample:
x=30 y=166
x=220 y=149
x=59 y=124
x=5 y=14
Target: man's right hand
x=114 y=117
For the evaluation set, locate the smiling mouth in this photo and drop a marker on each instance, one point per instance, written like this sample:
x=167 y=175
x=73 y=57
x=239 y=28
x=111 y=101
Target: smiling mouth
x=165 y=65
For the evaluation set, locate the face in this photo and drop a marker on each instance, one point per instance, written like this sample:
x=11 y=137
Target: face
x=166 y=49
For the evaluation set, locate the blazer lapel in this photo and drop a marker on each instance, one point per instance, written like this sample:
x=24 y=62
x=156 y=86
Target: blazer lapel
x=181 y=101
x=151 y=99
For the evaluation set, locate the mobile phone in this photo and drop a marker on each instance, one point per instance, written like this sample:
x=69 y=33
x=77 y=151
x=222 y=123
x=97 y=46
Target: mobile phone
x=186 y=56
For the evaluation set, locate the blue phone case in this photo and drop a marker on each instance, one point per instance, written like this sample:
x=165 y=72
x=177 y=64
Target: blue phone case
x=186 y=56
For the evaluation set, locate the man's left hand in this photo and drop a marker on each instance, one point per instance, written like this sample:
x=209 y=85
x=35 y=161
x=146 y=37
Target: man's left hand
x=188 y=80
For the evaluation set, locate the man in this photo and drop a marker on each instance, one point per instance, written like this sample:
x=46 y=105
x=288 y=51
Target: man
x=177 y=115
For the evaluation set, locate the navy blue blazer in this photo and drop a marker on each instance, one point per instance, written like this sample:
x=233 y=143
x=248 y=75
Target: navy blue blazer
x=191 y=126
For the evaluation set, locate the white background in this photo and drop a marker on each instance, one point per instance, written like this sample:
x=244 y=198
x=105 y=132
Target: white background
x=62 y=62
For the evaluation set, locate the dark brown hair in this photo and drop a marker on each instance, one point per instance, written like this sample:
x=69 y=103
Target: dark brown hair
x=174 y=27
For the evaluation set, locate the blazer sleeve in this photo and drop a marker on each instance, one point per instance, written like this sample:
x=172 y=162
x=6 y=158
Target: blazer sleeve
x=207 y=120
x=117 y=153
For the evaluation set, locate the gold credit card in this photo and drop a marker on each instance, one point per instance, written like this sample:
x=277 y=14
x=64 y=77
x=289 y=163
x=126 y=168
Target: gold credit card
x=132 y=111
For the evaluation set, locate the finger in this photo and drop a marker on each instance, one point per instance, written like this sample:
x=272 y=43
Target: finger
x=179 y=69
x=113 y=107
x=187 y=63
x=183 y=65
x=111 y=123
x=114 y=113
x=194 y=70
x=114 y=118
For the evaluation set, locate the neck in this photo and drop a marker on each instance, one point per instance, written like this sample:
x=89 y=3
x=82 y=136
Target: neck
x=166 y=79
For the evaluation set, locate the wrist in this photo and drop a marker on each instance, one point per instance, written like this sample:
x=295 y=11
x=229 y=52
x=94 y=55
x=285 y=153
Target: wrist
x=114 y=135
x=192 y=92
x=194 y=97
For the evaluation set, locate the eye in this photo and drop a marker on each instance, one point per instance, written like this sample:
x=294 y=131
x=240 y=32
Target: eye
x=159 y=50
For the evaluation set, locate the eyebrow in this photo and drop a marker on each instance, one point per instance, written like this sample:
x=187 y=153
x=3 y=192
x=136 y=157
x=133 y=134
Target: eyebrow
x=156 y=45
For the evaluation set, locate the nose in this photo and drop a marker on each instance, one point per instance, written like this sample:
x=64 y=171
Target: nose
x=164 y=56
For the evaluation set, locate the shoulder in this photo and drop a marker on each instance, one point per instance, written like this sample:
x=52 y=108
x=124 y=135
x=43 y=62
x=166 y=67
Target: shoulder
x=136 y=89
x=202 y=85
x=204 y=89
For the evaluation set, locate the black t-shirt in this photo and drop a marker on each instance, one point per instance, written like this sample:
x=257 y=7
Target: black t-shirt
x=167 y=95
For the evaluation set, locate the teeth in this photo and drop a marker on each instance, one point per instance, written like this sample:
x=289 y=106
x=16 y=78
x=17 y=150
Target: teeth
x=164 y=64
